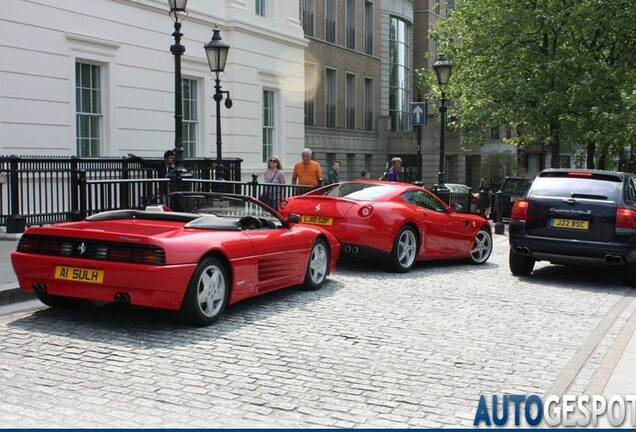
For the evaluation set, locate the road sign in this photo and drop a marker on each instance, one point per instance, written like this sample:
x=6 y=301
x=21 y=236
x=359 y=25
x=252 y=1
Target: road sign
x=418 y=113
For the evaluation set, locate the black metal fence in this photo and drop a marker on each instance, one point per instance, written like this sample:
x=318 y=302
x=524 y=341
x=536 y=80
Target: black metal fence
x=44 y=190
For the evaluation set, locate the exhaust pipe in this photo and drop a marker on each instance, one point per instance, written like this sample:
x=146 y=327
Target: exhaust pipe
x=122 y=298
x=354 y=250
x=522 y=250
x=347 y=248
x=39 y=287
x=614 y=259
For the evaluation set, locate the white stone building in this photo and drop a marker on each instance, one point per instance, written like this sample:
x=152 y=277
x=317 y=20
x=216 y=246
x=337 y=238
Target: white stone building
x=106 y=66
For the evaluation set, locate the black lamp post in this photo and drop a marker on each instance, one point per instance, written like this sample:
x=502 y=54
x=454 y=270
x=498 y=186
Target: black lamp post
x=178 y=14
x=217 y=51
x=443 y=68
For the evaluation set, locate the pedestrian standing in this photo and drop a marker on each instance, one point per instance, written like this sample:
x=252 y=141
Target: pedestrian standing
x=307 y=172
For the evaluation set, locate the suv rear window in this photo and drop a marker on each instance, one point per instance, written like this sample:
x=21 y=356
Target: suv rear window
x=607 y=188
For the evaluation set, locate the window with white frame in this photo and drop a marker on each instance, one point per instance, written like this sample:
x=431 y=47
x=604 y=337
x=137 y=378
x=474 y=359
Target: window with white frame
x=261 y=8
x=88 y=109
x=350 y=100
x=330 y=98
x=190 y=122
x=269 y=128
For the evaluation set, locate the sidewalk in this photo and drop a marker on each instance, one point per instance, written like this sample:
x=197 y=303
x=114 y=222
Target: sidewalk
x=616 y=376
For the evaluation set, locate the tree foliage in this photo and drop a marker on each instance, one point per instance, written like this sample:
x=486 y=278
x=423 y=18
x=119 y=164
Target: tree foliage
x=561 y=73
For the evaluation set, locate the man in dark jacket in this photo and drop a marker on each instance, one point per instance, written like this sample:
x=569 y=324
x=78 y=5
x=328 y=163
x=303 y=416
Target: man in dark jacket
x=163 y=168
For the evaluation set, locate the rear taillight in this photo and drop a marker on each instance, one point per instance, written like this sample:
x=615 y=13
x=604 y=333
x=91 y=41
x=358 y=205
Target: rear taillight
x=520 y=210
x=625 y=218
x=365 y=211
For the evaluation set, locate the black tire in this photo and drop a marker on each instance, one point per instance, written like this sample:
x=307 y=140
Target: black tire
x=404 y=250
x=482 y=247
x=629 y=274
x=207 y=294
x=317 y=266
x=520 y=265
x=57 y=302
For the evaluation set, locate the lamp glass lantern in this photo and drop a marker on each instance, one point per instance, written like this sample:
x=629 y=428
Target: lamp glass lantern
x=177 y=5
x=443 y=67
x=216 y=51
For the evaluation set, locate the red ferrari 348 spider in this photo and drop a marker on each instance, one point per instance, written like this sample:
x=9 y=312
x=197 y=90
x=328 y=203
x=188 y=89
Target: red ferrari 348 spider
x=215 y=250
x=396 y=222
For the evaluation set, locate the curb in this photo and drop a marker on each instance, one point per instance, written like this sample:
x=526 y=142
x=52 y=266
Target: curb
x=13 y=294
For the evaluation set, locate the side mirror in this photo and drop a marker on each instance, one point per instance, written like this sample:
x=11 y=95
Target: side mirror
x=294 y=218
x=457 y=208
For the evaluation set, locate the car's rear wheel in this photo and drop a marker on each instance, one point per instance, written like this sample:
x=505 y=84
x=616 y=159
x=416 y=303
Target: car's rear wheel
x=520 y=265
x=404 y=250
x=57 y=302
x=318 y=265
x=482 y=247
x=207 y=293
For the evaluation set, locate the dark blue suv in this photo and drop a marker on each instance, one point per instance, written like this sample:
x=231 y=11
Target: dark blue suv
x=574 y=216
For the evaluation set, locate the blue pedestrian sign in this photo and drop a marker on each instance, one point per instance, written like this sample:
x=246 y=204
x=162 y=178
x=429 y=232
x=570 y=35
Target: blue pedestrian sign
x=418 y=113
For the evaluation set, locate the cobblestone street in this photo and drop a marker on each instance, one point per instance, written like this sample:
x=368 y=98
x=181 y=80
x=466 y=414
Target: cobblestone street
x=370 y=349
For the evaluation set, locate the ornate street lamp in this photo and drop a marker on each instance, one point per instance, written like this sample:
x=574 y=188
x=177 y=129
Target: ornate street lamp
x=217 y=51
x=443 y=68
x=178 y=13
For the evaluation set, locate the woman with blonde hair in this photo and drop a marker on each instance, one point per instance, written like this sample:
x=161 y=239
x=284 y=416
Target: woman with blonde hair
x=273 y=174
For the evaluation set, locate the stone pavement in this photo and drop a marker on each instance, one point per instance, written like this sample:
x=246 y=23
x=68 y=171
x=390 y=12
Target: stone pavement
x=614 y=376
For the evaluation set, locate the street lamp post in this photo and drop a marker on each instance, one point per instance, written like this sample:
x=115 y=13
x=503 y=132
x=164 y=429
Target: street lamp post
x=216 y=51
x=178 y=14
x=443 y=68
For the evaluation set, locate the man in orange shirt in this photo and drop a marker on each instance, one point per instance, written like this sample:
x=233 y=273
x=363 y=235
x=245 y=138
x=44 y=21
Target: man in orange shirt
x=307 y=172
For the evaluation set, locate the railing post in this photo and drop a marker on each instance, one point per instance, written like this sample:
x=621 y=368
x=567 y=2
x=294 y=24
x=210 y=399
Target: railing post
x=499 y=226
x=15 y=222
x=79 y=194
x=254 y=186
x=124 y=188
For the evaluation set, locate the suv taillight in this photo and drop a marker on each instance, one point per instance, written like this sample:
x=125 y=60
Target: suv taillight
x=625 y=218
x=520 y=210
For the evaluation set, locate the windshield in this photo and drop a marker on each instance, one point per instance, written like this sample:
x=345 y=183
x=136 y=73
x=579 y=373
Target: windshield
x=222 y=205
x=519 y=186
x=361 y=191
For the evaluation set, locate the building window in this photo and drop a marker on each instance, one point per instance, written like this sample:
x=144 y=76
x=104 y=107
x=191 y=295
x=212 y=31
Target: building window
x=261 y=8
x=368 y=27
x=438 y=6
x=350 y=108
x=310 y=79
x=330 y=21
x=307 y=12
x=399 y=73
x=350 y=16
x=368 y=104
x=330 y=98
x=268 y=124
x=88 y=107
x=190 y=116
x=495 y=133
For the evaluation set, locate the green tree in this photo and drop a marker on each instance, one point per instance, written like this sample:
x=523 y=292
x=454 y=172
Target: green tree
x=559 y=72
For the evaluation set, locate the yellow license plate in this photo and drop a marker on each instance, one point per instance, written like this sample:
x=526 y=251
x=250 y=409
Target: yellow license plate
x=317 y=220
x=79 y=274
x=569 y=223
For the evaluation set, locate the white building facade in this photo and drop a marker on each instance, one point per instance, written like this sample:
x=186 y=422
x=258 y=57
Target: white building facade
x=96 y=78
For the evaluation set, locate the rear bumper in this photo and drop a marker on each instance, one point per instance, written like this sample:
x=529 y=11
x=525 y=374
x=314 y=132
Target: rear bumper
x=569 y=251
x=151 y=286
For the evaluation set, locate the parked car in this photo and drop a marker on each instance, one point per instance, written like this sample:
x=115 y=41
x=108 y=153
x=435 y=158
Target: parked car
x=463 y=190
x=572 y=216
x=215 y=250
x=396 y=223
x=512 y=189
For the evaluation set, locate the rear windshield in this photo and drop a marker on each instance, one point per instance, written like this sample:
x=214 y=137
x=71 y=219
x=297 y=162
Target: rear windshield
x=519 y=186
x=361 y=191
x=577 y=187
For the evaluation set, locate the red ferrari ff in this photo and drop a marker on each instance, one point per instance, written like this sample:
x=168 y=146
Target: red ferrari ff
x=215 y=250
x=397 y=222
